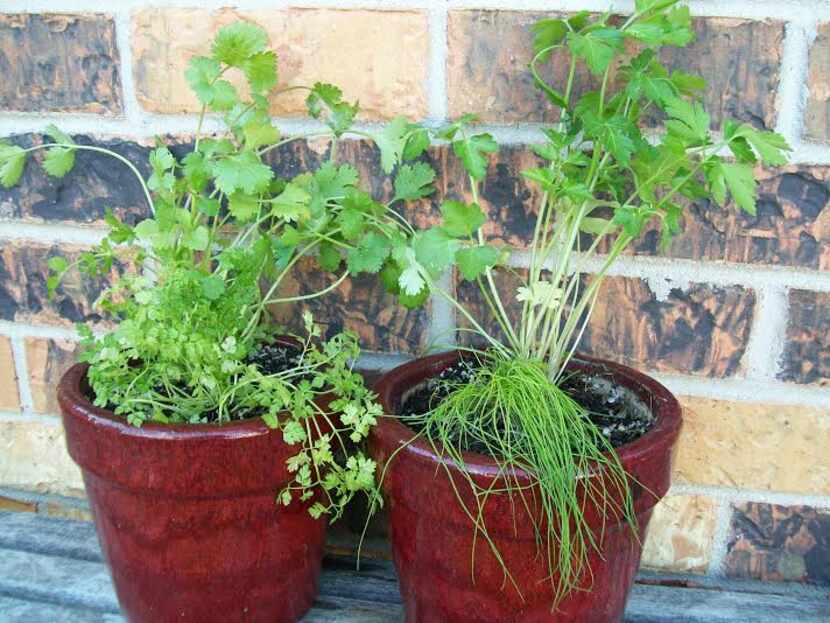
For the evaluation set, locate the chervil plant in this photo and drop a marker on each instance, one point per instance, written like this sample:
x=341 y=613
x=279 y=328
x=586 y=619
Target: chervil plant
x=191 y=345
x=631 y=149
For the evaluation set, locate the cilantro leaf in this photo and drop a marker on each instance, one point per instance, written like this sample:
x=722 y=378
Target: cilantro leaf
x=471 y=153
x=391 y=142
x=244 y=171
x=236 y=43
x=12 y=162
x=59 y=160
x=434 y=250
x=243 y=207
x=369 y=255
x=328 y=257
x=414 y=182
x=259 y=131
x=473 y=261
x=325 y=102
x=351 y=223
x=292 y=203
x=261 y=71
x=196 y=239
x=460 y=219
x=200 y=74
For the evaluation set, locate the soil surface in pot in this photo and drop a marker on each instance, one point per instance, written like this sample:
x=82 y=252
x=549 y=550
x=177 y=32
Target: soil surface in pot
x=616 y=410
x=268 y=358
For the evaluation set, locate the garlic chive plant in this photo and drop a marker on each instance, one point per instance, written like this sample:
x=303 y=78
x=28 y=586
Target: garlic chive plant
x=192 y=344
x=630 y=150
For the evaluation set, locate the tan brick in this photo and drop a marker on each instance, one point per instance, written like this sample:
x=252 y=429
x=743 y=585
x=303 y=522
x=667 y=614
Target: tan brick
x=47 y=360
x=59 y=62
x=33 y=456
x=751 y=445
x=17 y=506
x=817 y=113
x=489 y=52
x=680 y=534
x=378 y=57
x=9 y=397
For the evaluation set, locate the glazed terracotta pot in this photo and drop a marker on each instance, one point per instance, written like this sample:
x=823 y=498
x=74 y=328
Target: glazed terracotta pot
x=187 y=515
x=433 y=537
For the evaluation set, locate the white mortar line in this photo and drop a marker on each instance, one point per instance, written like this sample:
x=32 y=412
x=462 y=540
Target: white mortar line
x=744 y=390
x=741 y=496
x=39 y=418
x=51 y=233
x=720 y=539
x=792 y=87
x=21 y=368
x=123 y=28
x=755 y=9
x=437 y=70
x=47 y=332
x=442 y=323
x=684 y=271
x=768 y=335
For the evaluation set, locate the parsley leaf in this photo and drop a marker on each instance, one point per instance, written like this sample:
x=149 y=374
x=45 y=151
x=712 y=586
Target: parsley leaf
x=596 y=47
x=12 y=162
x=741 y=182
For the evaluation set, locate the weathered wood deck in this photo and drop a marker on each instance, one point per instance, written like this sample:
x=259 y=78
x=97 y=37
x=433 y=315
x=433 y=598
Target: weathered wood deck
x=51 y=571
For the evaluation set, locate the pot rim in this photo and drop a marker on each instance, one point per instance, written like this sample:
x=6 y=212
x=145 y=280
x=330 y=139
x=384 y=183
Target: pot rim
x=392 y=433
x=74 y=402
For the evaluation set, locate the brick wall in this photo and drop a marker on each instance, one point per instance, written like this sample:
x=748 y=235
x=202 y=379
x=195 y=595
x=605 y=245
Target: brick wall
x=734 y=316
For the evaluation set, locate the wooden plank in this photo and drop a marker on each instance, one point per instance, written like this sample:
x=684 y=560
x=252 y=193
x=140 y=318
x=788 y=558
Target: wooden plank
x=51 y=569
x=46 y=535
x=15 y=610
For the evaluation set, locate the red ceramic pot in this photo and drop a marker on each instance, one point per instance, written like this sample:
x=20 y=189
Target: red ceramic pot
x=187 y=515
x=432 y=535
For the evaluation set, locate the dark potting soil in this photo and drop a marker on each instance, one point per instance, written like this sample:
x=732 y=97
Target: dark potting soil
x=618 y=412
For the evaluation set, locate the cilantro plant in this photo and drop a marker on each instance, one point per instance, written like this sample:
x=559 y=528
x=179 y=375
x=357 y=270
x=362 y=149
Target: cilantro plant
x=631 y=148
x=192 y=341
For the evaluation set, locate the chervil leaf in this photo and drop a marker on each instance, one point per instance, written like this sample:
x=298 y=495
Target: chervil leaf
x=12 y=162
x=391 y=142
x=596 y=47
x=261 y=71
x=236 y=43
x=244 y=171
x=292 y=203
x=325 y=102
x=460 y=219
x=414 y=181
x=471 y=153
x=741 y=182
x=473 y=261
x=369 y=255
x=434 y=250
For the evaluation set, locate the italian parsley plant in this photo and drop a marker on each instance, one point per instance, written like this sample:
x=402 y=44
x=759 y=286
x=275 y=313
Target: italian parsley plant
x=631 y=149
